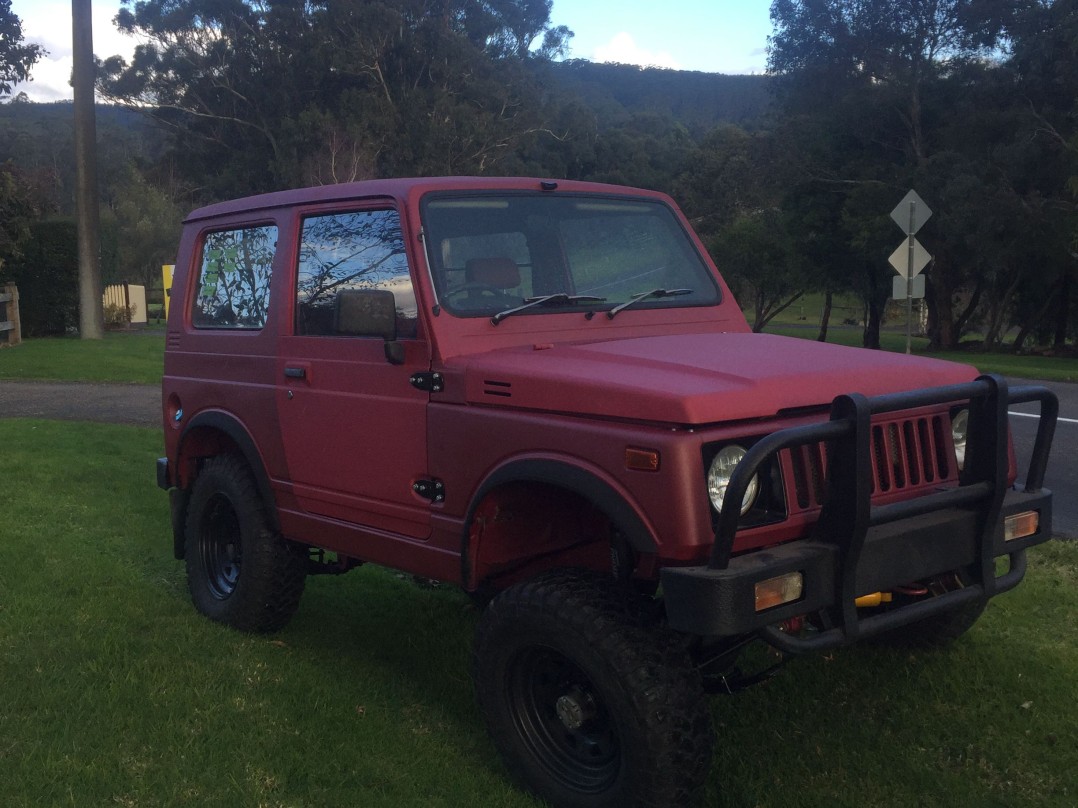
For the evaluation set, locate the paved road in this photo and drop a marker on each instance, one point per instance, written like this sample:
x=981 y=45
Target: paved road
x=140 y=405
x=136 y=404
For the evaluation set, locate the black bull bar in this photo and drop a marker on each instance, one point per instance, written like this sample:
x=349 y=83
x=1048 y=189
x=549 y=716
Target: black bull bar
x=857 y=547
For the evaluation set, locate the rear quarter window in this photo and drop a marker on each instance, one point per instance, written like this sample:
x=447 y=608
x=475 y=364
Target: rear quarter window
x=233 y=288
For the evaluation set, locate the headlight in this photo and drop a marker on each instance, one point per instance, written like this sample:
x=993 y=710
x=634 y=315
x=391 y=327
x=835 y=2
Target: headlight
x=959 y=428
x=718 y=477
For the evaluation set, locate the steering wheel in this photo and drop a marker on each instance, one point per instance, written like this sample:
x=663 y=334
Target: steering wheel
x=481 y=289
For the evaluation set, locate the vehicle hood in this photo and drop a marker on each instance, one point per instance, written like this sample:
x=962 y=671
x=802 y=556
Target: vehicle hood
x=691 y=379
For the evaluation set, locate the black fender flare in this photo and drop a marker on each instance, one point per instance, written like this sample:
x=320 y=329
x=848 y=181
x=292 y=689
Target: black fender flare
x=562 y=474
x=228 y=425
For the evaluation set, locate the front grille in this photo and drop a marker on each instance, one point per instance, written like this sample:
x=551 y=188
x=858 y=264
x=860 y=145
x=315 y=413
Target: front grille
x=907 y=453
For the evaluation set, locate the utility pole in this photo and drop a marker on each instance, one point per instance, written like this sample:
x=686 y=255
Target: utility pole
x=91 y=316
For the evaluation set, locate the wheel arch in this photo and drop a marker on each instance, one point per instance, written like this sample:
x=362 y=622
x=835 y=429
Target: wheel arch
x=563 y=474
x=207 y=434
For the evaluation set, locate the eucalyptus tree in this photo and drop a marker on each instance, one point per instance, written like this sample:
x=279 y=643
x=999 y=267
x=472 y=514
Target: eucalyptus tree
x=18 y=199
x=732 y=188
x=758 y=260
x=1043 y=60
x=267 y=93
x=868 y=80
x=17 y=57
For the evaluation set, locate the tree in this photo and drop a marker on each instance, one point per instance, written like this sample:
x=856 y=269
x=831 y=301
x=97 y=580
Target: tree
x=46 y=272
x=814 y=221
x=256 y=91
x=1047 y=81
x=149 y=221
x=871 y=81
x=22 y=200
x=756 y=254
x=16 y=57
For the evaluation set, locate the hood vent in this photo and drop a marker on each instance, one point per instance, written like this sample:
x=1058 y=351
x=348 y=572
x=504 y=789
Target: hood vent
x=499 y=389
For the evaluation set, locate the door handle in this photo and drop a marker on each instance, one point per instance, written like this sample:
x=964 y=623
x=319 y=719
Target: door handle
x=295 y=373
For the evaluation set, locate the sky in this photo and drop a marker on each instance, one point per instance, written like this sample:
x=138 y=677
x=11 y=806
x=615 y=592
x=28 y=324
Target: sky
x=715 y=36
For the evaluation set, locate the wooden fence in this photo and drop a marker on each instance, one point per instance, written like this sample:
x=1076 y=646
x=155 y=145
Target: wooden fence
x=10 y=325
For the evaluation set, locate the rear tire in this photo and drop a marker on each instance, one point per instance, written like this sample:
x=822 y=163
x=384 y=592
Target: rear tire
x=239 y=571
x=589 y=706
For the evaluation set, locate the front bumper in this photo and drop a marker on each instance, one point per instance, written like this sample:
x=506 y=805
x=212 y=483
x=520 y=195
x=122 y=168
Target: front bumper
x=858 y=548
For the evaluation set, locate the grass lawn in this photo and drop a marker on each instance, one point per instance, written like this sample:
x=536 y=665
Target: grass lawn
x=122 y=356
x=1050 y=368
x=115 y=692
x=138 y=356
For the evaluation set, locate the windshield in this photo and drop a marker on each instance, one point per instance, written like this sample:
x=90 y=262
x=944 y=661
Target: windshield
x=494 y=252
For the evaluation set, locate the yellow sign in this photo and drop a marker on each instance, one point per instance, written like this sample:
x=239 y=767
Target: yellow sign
x=167 y=271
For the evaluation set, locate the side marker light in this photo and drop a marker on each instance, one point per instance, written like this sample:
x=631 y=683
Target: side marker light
x=641 y=459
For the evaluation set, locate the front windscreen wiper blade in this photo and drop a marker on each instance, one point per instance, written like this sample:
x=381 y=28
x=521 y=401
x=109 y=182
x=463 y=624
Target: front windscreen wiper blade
x=546 y=300
x=644 y=296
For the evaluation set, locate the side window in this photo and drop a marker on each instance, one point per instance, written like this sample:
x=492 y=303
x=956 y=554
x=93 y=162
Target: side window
x=234 y=279
x=355 y=250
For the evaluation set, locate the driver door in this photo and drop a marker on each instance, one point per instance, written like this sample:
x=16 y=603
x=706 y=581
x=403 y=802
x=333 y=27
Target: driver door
x=353 y=427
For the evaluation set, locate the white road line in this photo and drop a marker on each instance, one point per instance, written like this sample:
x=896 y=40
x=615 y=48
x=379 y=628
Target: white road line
x=1034 y=415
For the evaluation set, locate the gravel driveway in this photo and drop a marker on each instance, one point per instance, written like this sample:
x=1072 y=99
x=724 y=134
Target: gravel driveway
x=136 y=404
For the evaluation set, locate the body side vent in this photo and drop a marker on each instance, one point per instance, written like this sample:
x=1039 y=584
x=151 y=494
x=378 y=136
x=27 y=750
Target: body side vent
x=499 y=389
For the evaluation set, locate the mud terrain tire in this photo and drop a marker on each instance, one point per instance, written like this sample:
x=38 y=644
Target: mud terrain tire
x=239 y=571
x=588 y=705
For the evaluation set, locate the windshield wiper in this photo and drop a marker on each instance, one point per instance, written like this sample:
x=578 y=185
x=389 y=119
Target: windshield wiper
x=632 y=301
x=546 y=300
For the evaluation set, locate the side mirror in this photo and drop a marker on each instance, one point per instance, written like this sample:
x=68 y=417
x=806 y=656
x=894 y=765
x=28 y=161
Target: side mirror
x=368 y=313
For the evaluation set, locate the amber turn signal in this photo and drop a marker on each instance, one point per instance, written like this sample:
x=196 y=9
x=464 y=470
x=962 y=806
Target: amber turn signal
x=1021 y=525
x=776 y=591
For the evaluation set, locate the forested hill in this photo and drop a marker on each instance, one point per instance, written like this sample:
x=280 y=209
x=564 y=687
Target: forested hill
x=615 y=92
x=699 y=101
x=40 y=139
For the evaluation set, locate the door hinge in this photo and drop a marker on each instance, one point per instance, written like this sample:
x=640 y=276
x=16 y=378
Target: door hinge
x=434 y=490
x=430 y=381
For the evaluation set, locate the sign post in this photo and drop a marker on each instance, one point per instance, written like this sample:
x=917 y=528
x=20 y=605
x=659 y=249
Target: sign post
x=910 y=257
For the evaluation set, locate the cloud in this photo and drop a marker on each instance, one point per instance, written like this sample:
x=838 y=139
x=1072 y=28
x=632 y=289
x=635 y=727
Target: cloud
x=49 y=24
x=623 y=49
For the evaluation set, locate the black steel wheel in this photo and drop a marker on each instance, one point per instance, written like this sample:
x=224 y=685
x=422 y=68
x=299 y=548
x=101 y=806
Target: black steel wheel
x=587 y=704
x=239 y=571
x=219 y=548
x=562 y=719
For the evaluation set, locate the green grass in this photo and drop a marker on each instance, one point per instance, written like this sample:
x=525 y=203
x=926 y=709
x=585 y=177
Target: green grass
x=126 y=357
x=115 y=692
x=121 y=356
x=893 y=338
x=1050 y=368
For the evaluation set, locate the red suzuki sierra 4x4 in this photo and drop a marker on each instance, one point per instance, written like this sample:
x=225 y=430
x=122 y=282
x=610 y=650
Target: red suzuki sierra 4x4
x=545 y=393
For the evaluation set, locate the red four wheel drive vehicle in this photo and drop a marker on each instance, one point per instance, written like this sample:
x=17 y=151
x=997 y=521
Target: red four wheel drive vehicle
x=545 y=393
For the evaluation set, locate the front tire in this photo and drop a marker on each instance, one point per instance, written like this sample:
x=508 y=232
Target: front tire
x=587 y=704
x=239 y=570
